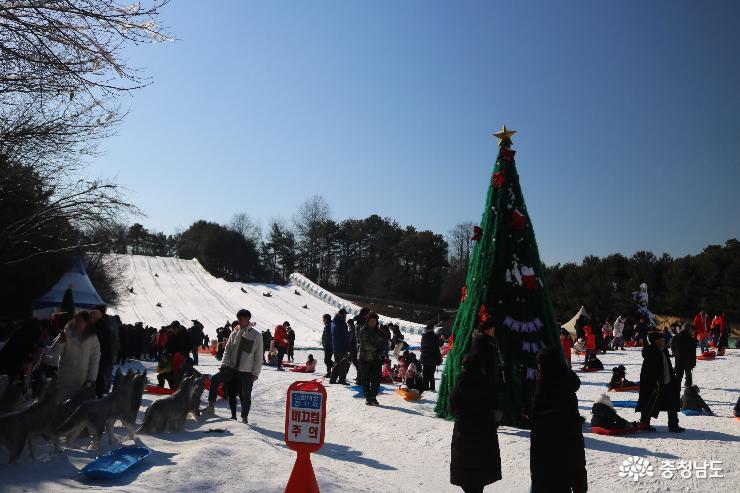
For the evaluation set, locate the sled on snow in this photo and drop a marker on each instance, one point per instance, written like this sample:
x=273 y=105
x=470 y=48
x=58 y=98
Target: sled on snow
x=628 y=388
x=590 y=370
x=115 y=463
x=707 y=355
x=156 y=390
x=629 y=404
x=618 y=431
x=408 y=395
x=695 y=412
x=360 y=392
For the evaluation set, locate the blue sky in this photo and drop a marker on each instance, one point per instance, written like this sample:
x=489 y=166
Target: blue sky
x=628 y=116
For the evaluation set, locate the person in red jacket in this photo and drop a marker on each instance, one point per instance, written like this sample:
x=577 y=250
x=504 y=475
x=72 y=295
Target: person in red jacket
x=281 y=343
x=701 y=325
x=567 y=343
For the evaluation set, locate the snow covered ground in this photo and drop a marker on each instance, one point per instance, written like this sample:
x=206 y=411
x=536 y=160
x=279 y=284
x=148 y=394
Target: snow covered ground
x=186 y=291
x=399 y=447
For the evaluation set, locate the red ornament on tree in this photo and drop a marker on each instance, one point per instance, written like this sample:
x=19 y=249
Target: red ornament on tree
x=477 y=232
x=483 y=315
x=498 y=179
x=518 y=220
x=464 y=294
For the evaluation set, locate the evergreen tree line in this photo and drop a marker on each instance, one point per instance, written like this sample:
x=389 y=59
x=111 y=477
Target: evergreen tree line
x=677 y=286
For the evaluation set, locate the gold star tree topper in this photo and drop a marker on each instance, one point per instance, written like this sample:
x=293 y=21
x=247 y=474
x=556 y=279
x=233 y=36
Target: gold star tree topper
x=504 y=136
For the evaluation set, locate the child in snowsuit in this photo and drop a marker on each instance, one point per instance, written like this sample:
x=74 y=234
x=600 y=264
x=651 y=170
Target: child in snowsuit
x=592 y=362
x=413 y=380
x=619 y=380
x=604 y=416
x=691 y=400
x=567 y=344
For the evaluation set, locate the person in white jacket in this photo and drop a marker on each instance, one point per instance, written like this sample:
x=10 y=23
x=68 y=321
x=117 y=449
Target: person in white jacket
x=242 y=361
x=76 y=352
x=618 y=341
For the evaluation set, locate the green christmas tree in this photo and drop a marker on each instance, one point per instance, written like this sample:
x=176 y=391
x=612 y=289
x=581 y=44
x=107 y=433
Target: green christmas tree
x=505 y=284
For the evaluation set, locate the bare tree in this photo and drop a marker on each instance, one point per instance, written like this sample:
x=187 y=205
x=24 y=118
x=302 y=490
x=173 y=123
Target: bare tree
x=247 y=226
x=460 y=241
x=62 y=70
x=309 y=220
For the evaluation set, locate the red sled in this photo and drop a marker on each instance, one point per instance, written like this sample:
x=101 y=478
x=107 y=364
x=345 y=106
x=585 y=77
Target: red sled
x=707 y=355
x=589 y=370
x=153 y=389
x=625 y=389
x=619 y=431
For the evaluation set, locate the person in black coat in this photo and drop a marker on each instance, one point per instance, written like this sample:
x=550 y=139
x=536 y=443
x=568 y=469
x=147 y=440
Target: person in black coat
x=431 y=356
x=326 y=343
x=684 y=350
x=659 y=390
x=604 y=416
x=475 y=460
x=486 y=347
x=557 y=459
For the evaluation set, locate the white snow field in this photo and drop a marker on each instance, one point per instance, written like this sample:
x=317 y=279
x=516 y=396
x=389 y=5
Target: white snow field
x=398 y=447
x=186 y=291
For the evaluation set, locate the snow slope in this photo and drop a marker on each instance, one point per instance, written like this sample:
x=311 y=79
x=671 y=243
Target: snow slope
x=399 y=447
x=186 y=291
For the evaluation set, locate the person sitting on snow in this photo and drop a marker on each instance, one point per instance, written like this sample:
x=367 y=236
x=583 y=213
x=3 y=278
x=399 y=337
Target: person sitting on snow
x=309 y=367
x=413 y=380
x=386 y=372
x=692 y=401
x=619 y=380
x=592 y=362
x=604 y=416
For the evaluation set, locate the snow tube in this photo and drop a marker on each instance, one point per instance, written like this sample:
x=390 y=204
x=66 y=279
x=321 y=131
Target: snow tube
x=630 y=404
x=694 y=412
x=707 y=355
x=626 y=389
x=408 y=395
x=115 y=463
x=153 y=389
x=619 y=431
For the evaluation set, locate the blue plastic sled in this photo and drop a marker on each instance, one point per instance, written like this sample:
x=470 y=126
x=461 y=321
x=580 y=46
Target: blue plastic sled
x=630 y=404
x=694 y=412
x=361 y=393
x=115 y=463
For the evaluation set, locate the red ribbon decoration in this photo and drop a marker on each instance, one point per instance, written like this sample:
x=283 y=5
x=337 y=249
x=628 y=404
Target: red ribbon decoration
x=483 y=315
x=506 y=154
x=464 y=294
x=518 y=220
x=530 y=282
x=498 y=179
x=477 y=232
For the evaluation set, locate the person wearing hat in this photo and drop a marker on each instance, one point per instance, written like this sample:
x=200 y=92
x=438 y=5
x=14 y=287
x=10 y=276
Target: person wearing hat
x=659 y=389
x=604 y=416
x=340 y=346
x=370 y=357
x=619 y=378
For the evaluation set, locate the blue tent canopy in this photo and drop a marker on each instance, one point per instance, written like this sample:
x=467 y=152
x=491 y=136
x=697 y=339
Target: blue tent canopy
x=83 y=292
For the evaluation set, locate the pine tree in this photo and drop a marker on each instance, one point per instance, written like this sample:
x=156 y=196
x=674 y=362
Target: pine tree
x=505 y=283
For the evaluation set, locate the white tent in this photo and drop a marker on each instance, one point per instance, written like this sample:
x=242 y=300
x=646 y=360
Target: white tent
x=570 y=325
x=83 y=292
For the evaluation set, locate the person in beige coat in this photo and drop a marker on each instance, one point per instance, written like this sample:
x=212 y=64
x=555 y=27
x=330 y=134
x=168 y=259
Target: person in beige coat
x=77 y=352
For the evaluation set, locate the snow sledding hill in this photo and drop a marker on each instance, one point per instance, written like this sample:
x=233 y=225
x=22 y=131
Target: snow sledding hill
x=186 y=291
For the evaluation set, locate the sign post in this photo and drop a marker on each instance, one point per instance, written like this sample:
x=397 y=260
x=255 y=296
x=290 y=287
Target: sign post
x=305 y=416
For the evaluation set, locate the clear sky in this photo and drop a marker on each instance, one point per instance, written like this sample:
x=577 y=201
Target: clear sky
x=628 y=116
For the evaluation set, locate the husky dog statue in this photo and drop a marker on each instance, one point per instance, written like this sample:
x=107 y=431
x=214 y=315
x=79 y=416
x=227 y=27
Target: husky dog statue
x=171 y=411
x=200 y=385
x=21 y=427
x=99 y=415
x=12 y=397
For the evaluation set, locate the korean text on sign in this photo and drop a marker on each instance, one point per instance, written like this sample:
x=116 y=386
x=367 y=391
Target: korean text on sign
x=304 y=419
